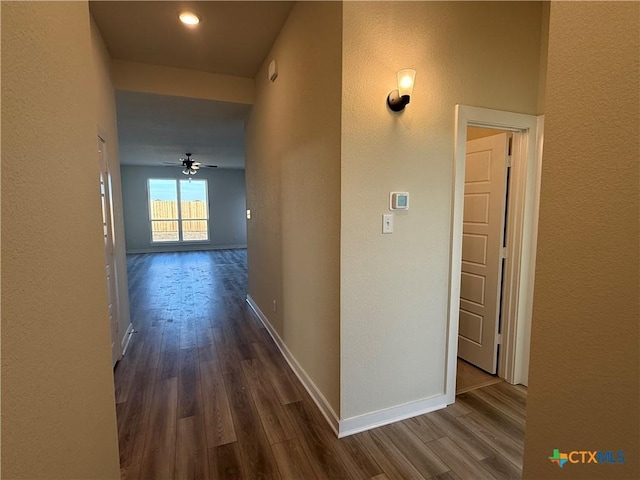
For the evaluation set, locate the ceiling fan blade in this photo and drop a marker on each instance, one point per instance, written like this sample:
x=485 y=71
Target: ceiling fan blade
x=172 y=163
x=210 y=166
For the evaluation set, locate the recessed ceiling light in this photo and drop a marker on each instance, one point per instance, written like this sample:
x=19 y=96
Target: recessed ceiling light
x=189 y=18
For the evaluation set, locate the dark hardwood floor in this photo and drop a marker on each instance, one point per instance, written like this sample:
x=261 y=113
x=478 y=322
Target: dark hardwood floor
x=203 y=392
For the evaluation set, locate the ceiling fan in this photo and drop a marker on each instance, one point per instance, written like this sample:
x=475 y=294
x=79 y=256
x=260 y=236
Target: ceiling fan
x=191 y=167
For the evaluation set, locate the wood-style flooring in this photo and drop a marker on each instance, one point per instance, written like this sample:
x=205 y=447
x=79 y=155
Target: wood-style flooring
x=202 y=392
x=470 y=377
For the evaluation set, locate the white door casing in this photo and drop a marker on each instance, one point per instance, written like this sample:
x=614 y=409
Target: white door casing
x=524 y=200
x=482 y=242
x=107 y=232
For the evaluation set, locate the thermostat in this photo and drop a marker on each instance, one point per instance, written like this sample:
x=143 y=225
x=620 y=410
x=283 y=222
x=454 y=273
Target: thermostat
x=399 y=201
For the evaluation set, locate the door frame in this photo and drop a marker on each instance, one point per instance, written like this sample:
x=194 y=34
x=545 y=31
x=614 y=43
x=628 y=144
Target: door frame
x=522 y=220
x=102 y=140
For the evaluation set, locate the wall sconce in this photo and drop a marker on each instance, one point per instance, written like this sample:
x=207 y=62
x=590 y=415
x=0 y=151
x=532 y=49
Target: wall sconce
x=398 y=99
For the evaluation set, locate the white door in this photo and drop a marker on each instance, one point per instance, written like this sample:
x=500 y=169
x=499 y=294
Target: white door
x=107 y=232
x=482 y=242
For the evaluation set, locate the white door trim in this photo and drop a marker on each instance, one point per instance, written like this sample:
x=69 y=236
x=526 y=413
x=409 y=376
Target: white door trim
x=118 y=345
x=522 y=221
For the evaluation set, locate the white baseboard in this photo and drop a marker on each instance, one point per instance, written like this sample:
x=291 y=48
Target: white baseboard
x=184 y=248
x=126 y=339
x=317 y=396
x=357 y=424
x=367 y=421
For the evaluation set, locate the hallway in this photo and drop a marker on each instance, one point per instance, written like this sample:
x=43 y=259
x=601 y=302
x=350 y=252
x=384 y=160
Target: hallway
x=203 y=392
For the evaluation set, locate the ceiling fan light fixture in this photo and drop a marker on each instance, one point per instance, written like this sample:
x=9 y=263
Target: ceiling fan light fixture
x=189 y=18
x=190 y=166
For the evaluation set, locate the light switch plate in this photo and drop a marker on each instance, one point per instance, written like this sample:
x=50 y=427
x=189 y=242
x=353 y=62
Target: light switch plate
x=387 y=223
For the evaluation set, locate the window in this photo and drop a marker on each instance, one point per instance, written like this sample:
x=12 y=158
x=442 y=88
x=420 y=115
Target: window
x=178 y=210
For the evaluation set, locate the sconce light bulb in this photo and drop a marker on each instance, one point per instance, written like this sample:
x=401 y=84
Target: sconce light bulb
x=406 y=82
x=400 y=98
x=406 y=79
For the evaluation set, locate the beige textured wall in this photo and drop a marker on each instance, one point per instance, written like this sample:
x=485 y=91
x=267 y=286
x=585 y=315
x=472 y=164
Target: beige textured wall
x=293 y=189
x=544 y=53
x=58 y=412
x=108 y=128
x=395 y=287
x=142 y=77
x=473 y=133
x=583 y=383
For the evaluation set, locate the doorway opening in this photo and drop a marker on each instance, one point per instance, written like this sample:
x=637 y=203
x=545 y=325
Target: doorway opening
x=494 y=227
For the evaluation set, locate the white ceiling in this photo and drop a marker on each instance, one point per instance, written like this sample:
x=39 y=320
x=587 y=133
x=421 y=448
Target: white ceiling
x=232 y=39
x=153 y=129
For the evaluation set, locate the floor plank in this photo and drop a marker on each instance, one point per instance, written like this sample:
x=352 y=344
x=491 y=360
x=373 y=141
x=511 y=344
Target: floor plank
x=390 y=458
x=257 y=458
x=359 y=463
x=160 y=445
x=486 y=413
x=274 y=419
x=292 y=461
x=423 y=429
x=150 y=350
x=450 y=475
x=192 y=460
x=133 y=417
x=230 y=359
x=502 y=403
x=501 y=468
x=461 y=436
x=381 y=476
x=123 y=375
x=458 y=460
x=225 y=463
x=493 y=436
x=469 y=377
x=282 y=382
x=189 y=394
x=315 y=442
x=169 y=353
x=218 y=421
x=417 y=452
